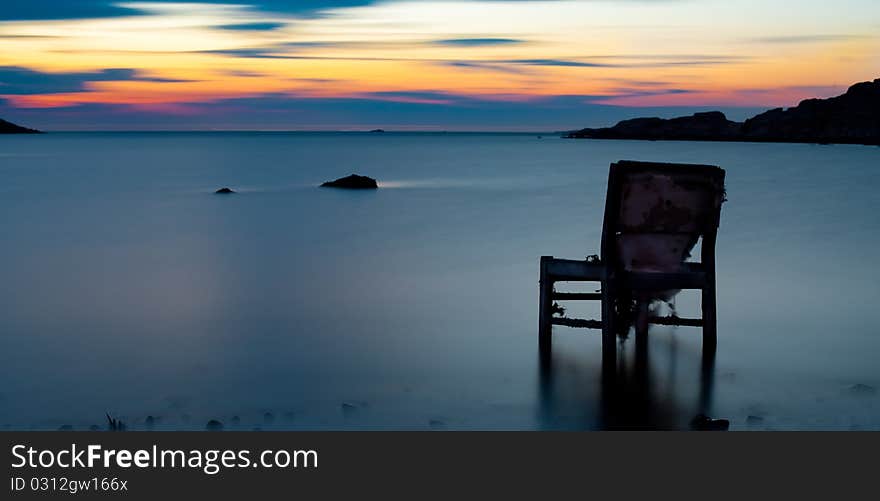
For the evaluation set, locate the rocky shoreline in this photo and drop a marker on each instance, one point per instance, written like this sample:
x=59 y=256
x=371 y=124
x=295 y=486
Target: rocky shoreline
x=11 y=128
x=851 y=118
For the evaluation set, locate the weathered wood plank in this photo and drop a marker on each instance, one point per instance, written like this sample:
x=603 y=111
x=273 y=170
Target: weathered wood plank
x=545 y=328
x=568 y=269
x=578 y=323
x=578 y=296
x=671 y=320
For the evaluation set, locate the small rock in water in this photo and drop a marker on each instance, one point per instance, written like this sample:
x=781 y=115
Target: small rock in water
x=268 y=418
x=150 y=422
x=349 y=410
x=862 y=389
x=703 y=422
x=353 y=182
x=115 y=424
x=224 y=191
x=214 y=425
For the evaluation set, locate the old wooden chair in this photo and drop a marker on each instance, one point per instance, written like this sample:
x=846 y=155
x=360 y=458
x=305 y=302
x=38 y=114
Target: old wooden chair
x=654 y=215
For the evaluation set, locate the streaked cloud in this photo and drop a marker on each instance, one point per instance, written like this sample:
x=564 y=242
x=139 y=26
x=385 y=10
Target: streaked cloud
x=801 y=39
x=16 y=80
x=172 y=57
x=487 y=66
x=423 y=97
x=61 y=9
x=281 y=112
x=556 y=62
x=477 y=42
x=267 y=26
x=90 y=9
x=258 y=53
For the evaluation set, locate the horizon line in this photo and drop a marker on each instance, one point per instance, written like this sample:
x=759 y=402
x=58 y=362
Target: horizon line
x=352 y=131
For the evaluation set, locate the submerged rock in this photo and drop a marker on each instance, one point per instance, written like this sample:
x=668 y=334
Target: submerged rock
x=703 y=422
x=224 y=191
x=862 y=389
x=214 y=425
x=353 y=181
x=115 y=424
x=351 y=410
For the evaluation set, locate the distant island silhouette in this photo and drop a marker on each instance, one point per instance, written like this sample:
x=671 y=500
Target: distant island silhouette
x=851 y=118
x=11 y=128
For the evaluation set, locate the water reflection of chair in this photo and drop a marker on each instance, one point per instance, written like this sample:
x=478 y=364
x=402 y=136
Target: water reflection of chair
x=630 y=398
x=655 y=214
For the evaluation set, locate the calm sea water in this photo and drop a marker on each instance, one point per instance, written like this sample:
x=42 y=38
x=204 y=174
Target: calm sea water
x=128 y=287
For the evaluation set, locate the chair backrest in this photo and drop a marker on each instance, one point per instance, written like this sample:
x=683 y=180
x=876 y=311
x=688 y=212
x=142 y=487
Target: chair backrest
x=656 y=212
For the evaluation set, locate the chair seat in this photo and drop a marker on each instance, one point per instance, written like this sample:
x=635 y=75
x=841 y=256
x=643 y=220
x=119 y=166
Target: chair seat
x=658 y=281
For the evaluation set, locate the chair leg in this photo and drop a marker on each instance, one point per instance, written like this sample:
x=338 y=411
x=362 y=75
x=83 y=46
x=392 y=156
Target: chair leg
x=710 y=321
x=641 y=323
x=609 y=333
x=707 y=379
x=641 y=328
x=545 y=314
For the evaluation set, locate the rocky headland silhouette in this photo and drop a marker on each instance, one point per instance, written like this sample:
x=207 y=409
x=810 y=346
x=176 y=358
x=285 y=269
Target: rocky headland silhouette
x=851 y=118
x=11 y=128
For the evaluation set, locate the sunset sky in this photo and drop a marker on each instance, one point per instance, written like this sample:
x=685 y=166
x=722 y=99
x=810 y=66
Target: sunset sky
x=421 y=64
